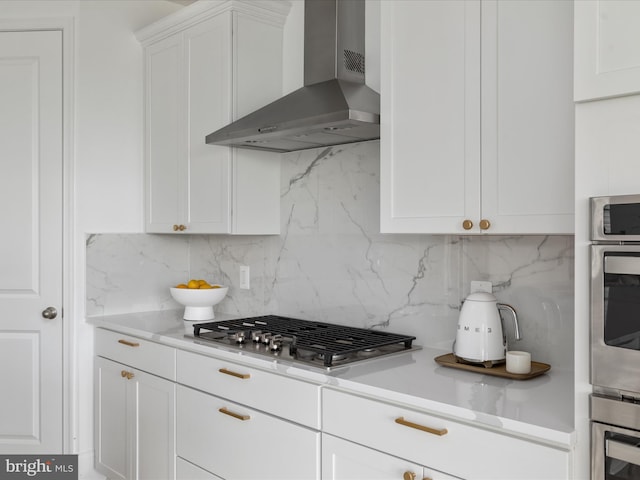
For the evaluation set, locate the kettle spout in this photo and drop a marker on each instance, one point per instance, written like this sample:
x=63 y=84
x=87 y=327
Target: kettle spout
x=509 y=308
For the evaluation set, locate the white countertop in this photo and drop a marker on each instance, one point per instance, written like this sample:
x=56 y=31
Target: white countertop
x=540 y=408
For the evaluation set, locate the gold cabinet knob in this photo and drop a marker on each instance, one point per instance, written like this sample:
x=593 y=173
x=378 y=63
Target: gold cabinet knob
x=485 y=224
x=179 y=228
x=175 y=228
x=127 y=375
x=409 y=476
x=467 y=224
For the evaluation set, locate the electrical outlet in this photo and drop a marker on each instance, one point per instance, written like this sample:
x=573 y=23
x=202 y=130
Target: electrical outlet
x=480 y=286
x=244 y=277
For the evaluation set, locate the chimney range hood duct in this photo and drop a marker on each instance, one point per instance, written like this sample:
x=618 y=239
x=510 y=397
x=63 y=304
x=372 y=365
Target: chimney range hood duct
x=334 y=107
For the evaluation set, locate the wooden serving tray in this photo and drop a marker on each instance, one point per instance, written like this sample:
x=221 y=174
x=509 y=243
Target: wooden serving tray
x=449 y=360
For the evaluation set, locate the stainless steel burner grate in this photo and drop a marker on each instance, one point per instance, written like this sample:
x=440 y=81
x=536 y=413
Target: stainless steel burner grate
x=328 y=341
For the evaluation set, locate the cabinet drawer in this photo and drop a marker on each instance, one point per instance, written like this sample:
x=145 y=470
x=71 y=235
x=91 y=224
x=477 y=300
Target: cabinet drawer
x=295 y=400
x=141 y=354
x=438 y=442
x=188 y=471
x=234 y=441
x=343 y=460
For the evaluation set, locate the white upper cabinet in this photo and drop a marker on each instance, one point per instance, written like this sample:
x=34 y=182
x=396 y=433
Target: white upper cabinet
x=430 y=114
x=206 y=66
x=607 y=49
x=527 y=154
x=477 y=117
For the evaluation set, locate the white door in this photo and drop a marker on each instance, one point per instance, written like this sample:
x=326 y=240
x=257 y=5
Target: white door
x=31 y=242
x=111 y=443
x=154 y=401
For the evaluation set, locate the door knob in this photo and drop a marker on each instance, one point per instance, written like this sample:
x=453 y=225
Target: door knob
x=49 y=313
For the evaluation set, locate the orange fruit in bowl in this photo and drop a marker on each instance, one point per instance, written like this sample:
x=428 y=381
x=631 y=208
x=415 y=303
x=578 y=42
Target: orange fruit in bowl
x=197 y=284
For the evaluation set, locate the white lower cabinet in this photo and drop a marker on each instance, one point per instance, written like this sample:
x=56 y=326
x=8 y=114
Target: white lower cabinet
x=343 y=460
x=259 y=389
x=134 y=422
x=237 y=442
x=164 y=413
x=135 y=395
x=442 y=444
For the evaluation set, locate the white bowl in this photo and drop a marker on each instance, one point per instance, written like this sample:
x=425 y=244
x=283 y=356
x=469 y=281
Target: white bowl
x=198 y=302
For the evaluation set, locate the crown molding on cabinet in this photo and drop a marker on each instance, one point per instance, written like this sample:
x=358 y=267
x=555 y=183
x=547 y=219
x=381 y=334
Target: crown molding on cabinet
x=270 y=11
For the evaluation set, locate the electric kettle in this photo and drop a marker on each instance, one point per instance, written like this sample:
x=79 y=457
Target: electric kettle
x=480 y=337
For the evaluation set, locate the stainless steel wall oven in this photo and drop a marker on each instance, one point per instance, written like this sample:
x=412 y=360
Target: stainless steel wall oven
x=615 y=337
x=615 y=452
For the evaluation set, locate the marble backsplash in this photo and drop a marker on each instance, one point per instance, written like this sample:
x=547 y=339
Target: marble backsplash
x=330 y=263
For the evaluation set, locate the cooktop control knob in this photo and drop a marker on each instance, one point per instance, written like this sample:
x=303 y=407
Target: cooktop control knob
x=239 y=337
x=255 y=335
x=265 y=337
x=275 y=343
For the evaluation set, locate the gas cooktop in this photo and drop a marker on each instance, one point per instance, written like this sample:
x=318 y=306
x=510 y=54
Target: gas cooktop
x=307 y=342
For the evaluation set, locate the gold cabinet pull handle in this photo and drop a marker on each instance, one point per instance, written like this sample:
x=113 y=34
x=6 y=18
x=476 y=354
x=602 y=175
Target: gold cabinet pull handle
x=234 y=374
x=467 y=224
x=485 y=224
x=433 y=431
x=127 y=375
x=239 y=416
x=128 y=343
x=409 y=475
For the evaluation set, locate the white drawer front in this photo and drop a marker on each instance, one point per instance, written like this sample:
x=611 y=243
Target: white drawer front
x=293 y=399
x=445 y=445
x=342 y=460
x=141 y=354
x=239 y=442
x=188 y=471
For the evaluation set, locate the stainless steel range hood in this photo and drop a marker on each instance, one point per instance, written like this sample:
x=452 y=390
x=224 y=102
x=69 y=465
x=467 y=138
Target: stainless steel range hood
x=334 y=107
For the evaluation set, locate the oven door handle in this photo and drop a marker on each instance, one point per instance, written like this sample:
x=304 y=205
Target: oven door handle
x=622 y=265
x=623 y=451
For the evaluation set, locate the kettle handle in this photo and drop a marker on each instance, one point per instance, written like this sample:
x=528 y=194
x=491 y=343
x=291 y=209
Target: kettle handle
x=509 y=308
